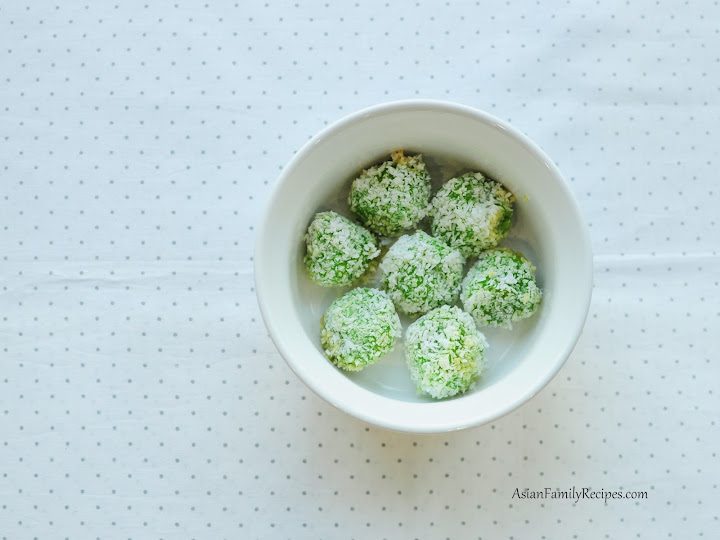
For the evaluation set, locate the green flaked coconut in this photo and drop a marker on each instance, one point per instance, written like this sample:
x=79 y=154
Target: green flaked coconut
x=358 y=328
x=391 y=197
x=420 y=273
x=338 y=250
x=444 y=352
x=500 y=289
x=471 y=213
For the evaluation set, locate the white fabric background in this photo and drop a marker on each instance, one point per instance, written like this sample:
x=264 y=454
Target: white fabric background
x=140 y=396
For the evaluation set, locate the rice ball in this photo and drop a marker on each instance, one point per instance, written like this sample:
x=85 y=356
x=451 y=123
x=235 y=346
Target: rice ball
x=420 y=273
x=393 y=196
x=444 y=352
x=358 y=328
x=471 y=213
x=500 y=289
x=338 y=250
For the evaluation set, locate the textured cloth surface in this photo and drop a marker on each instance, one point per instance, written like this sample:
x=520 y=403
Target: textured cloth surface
x=140 y=396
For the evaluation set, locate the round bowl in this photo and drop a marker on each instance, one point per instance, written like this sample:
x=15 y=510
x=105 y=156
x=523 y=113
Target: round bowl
x=548 y=228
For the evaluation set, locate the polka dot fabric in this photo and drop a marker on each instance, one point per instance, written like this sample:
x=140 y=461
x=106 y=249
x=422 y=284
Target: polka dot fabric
x=140 y=396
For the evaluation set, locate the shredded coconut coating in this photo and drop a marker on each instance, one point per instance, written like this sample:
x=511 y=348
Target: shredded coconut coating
x=358 y=328
x=500 y=289
x=393 y=196
x=444 y=352
x=420 y=273
x=471 y=213
x=338 y=250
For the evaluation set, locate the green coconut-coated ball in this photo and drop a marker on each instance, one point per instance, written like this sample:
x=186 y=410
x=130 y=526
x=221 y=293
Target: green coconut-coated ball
x=393 y=196
x=500 y=289
x=471 y=213
x=358 y=328
x=420 y=273
x=444 y=352
x=338 y=250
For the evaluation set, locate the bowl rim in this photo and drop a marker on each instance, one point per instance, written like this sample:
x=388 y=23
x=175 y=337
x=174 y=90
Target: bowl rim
x=443 y=106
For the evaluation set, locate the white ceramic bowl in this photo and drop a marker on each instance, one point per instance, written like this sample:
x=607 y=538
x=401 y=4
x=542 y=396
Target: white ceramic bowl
x=453 y=138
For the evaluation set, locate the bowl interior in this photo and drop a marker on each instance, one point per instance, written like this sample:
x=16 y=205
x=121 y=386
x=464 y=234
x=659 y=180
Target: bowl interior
x=390 y=376
x=547 y=229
